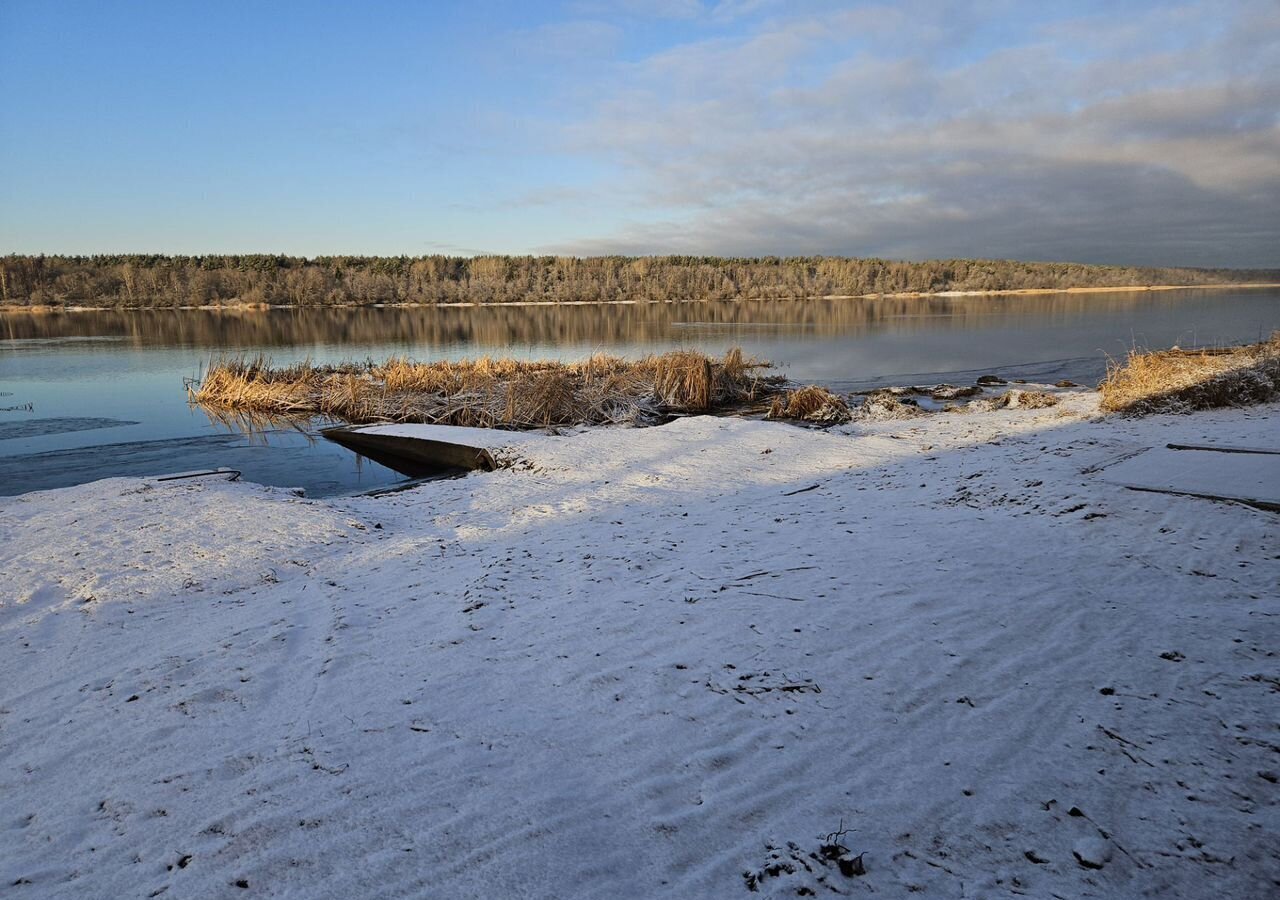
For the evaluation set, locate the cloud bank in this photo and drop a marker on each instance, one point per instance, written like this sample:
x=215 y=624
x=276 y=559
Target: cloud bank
x=1147 y=135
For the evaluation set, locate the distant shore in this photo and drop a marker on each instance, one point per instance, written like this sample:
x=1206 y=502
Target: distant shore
x=898 y=295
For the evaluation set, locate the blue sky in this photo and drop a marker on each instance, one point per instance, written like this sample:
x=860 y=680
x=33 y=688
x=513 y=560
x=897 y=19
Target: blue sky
x=1100 y=132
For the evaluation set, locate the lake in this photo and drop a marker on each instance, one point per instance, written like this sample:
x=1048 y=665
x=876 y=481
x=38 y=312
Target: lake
x=93 y=394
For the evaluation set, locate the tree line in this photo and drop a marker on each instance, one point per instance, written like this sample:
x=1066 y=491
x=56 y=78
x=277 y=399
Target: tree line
x=141 y=280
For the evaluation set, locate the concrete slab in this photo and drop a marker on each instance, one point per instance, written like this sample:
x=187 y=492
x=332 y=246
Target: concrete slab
x=423 y=450
x=1249 y=475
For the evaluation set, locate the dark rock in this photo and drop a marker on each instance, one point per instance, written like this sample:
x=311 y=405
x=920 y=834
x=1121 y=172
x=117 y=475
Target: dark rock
x=851 y=866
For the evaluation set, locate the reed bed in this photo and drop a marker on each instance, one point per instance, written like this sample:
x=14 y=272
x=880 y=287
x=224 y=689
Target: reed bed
x=1176 y=381
x=492 y=393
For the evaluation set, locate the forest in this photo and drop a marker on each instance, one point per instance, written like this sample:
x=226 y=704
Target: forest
x=172 y=281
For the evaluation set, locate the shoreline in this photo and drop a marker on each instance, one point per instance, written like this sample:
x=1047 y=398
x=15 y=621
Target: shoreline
x=610 y=666
x=1014 y=292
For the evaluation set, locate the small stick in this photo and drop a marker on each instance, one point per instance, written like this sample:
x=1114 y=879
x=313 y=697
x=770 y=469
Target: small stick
x=812 y=487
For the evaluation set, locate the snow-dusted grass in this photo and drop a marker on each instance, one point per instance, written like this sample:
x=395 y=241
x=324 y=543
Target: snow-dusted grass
x=659 y=662
x=1176 y=381
x=490 y=393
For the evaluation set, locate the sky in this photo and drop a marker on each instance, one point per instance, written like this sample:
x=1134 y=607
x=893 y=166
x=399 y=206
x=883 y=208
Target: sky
x=1103 y=132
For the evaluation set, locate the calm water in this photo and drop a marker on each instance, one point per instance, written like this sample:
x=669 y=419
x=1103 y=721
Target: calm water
x=88 y=395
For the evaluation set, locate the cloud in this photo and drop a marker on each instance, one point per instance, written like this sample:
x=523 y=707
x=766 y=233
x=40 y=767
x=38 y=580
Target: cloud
x=445 y=248
x=1148 y=137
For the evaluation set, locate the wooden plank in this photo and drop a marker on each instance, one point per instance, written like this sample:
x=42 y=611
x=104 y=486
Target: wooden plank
x=1218 y=449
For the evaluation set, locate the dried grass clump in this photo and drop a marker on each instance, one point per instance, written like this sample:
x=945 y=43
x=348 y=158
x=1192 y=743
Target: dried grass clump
x=1031 y=399
x=1011 y=399
x=811 y=404
x=1178 y=381
x=486 y=392
x=889 y=404
x=684 y=380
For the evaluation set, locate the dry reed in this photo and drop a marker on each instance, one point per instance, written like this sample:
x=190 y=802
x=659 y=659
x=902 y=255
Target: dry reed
x=811 y=404
x=486 y=392
x=1176 y=381
x=889 y=404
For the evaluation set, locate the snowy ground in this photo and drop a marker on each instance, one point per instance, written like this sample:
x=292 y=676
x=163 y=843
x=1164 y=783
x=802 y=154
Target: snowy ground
x=655 y=663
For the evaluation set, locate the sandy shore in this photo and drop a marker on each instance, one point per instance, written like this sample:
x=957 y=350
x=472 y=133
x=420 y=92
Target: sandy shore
x=661 y=662
x=1129 y=289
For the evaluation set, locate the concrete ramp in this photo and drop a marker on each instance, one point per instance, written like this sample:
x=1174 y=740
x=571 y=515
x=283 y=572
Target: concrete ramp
x=1244 y=474
x=422 y=450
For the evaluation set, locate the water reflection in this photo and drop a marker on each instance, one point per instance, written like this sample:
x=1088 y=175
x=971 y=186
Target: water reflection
x=496 y=327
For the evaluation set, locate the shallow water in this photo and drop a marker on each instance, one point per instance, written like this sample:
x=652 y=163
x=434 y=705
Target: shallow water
x=93 y=394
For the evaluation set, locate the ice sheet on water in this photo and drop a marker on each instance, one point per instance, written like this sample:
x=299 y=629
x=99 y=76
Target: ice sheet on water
x=59 y=425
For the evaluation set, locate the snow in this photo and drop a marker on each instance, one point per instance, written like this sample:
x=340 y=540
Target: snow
x=685 y=661
x=480 y=438
x=1092 y=852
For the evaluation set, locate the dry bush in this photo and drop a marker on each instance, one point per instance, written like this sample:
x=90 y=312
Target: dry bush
x=490 y=392
x=1177 y=381
x=888 y=404
x=811 y=404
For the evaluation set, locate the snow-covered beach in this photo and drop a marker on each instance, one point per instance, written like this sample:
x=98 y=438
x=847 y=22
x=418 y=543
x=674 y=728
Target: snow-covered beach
x=656 y=662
